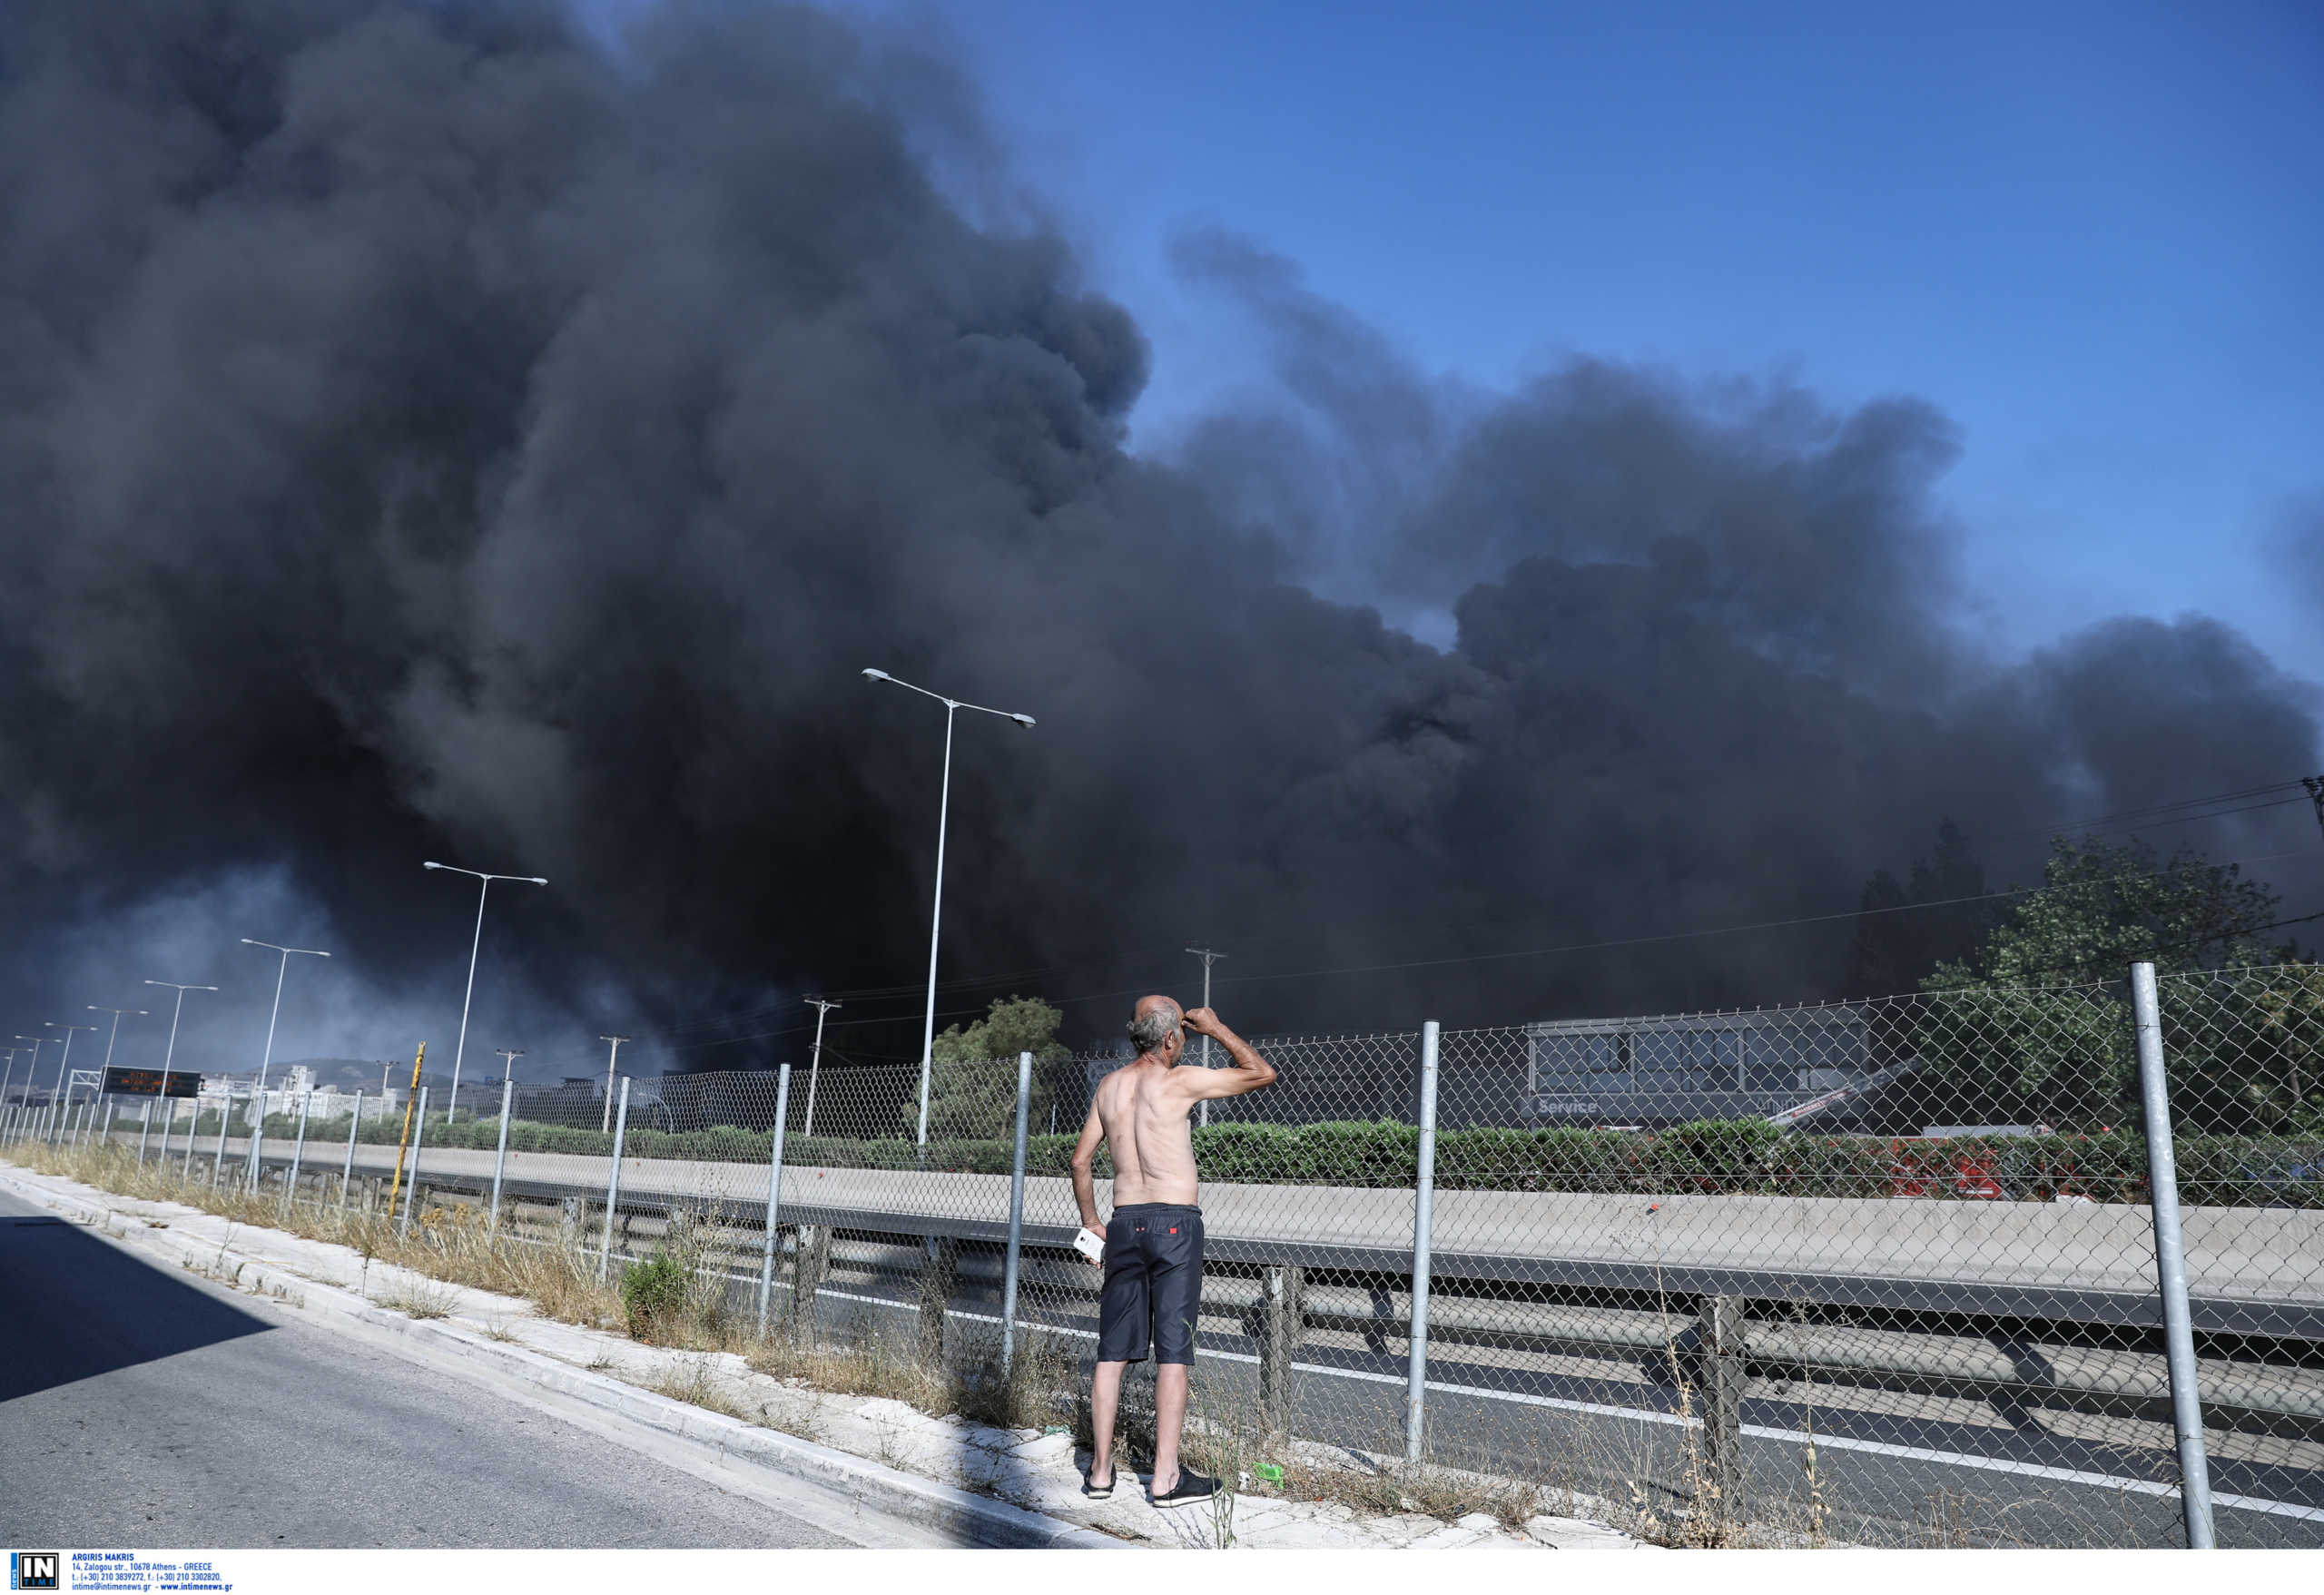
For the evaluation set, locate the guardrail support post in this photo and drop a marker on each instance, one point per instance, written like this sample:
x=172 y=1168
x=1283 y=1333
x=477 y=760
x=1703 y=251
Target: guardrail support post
x=258 y=1134
x=419 y=1134
x=501 y=1158
x=814 y=1251
x=940 y=1265
x=1424 y=1216
x=2170 y=1264
x=612 y=1184
x=1722 y=1365
x=346 y=1170
x=297 y=1152
x=218 y=1159
x=774 y=1196
x=1282 y=1315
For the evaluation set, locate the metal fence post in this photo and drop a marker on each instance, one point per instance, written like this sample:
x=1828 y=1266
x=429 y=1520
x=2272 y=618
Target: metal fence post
x=419 y=1134
x=218 y=1159
x=297 y=1152
x=258 y=1134
x=774 y=1194
x=346 y=1170
x=193 y=1127
x=1016 y=1215
x=501 y=1158
x=145 y=1128
x=613 y=1185
x=1423 y=1208
x=2170 y=1264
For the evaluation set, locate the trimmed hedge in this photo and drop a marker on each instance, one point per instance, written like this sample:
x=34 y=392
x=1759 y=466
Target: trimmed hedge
x=1737 y=1157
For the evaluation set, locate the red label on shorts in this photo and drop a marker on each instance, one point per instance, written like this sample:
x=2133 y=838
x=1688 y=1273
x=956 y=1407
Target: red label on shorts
x=1174 y=1229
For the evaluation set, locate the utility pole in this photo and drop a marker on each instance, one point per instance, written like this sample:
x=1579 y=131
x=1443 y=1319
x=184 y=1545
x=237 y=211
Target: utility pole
x=1209 y=958
x=823 y=1005
x=509 y=1056
x=608 y=1127
x=2315 y=784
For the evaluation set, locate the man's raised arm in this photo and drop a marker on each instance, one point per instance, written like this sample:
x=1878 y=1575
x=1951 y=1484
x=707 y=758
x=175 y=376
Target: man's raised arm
x=1250 y=1071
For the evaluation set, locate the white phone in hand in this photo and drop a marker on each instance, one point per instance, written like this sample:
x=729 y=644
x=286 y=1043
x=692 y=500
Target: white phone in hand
x=1090 y=1245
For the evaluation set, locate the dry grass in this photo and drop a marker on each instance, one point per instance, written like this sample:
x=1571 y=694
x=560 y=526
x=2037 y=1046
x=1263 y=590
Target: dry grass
x=694 y=1380
x=422 y=1299
x=450 y=1244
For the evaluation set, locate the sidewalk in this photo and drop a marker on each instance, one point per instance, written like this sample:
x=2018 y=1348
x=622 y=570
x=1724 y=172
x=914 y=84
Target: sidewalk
x=992 y=1486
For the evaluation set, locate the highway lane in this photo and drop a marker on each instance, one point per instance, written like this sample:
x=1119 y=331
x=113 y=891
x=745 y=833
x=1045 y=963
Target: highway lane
x=144 y=1408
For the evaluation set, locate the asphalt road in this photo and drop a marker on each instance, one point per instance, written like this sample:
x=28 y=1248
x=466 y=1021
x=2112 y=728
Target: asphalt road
x=144 y=1408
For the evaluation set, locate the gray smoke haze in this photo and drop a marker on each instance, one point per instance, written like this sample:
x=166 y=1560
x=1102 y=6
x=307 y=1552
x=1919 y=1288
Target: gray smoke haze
x=426 y=431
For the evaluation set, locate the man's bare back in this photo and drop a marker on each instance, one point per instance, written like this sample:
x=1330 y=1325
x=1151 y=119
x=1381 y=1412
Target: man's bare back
x=1141 y=1113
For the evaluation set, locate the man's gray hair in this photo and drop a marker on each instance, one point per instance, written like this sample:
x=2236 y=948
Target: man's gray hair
x=1151 y=1031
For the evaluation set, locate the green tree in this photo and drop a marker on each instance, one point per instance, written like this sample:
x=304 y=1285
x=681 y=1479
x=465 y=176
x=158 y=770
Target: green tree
x=973 y=1091
x=2036 y=1024
x=2100 y=907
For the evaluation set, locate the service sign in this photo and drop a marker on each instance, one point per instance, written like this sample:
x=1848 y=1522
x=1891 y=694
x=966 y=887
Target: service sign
x=147 y=1082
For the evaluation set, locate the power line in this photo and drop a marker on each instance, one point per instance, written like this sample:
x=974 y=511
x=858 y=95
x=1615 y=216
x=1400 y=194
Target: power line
x=2158 y=814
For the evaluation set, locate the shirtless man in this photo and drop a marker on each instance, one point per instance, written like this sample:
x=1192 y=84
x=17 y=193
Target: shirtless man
x=1153 y=1240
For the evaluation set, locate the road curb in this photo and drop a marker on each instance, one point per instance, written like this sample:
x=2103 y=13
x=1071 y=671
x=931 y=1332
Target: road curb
x=975 y=1520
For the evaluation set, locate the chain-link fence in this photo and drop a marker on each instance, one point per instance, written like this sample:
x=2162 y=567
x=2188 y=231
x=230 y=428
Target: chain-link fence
x=1877 y=1272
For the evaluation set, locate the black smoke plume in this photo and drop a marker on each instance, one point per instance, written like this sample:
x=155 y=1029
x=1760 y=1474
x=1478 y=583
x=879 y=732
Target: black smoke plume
x=432 y=431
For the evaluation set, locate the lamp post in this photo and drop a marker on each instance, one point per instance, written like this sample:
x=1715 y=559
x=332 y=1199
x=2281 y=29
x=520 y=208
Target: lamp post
x=29 y=1073
x=65 y=1062
x=823 y=1005
x=175 y=1011
x=484 y=885
x=267 y=1060
x=115 y=1036
x=936 y=916
x=612 y=1053
x=112 y=1038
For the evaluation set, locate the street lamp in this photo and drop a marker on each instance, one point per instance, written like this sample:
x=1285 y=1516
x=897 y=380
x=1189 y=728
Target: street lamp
x=823 y=1005
x=34 y=1070
x=62 y=1064
x=175 y=1011
x=484 y=885
x=267 y=1060
x=936 y=918
x=114 y=1036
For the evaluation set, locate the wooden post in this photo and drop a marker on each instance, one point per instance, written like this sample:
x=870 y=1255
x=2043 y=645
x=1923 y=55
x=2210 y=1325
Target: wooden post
x=1282 y=1315
x=940 y=1264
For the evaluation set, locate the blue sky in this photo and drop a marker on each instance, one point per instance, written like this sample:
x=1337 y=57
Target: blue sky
x=2091 y=234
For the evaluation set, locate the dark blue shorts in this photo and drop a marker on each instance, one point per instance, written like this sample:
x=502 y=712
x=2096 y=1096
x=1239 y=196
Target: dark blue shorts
x=1153 y=1283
